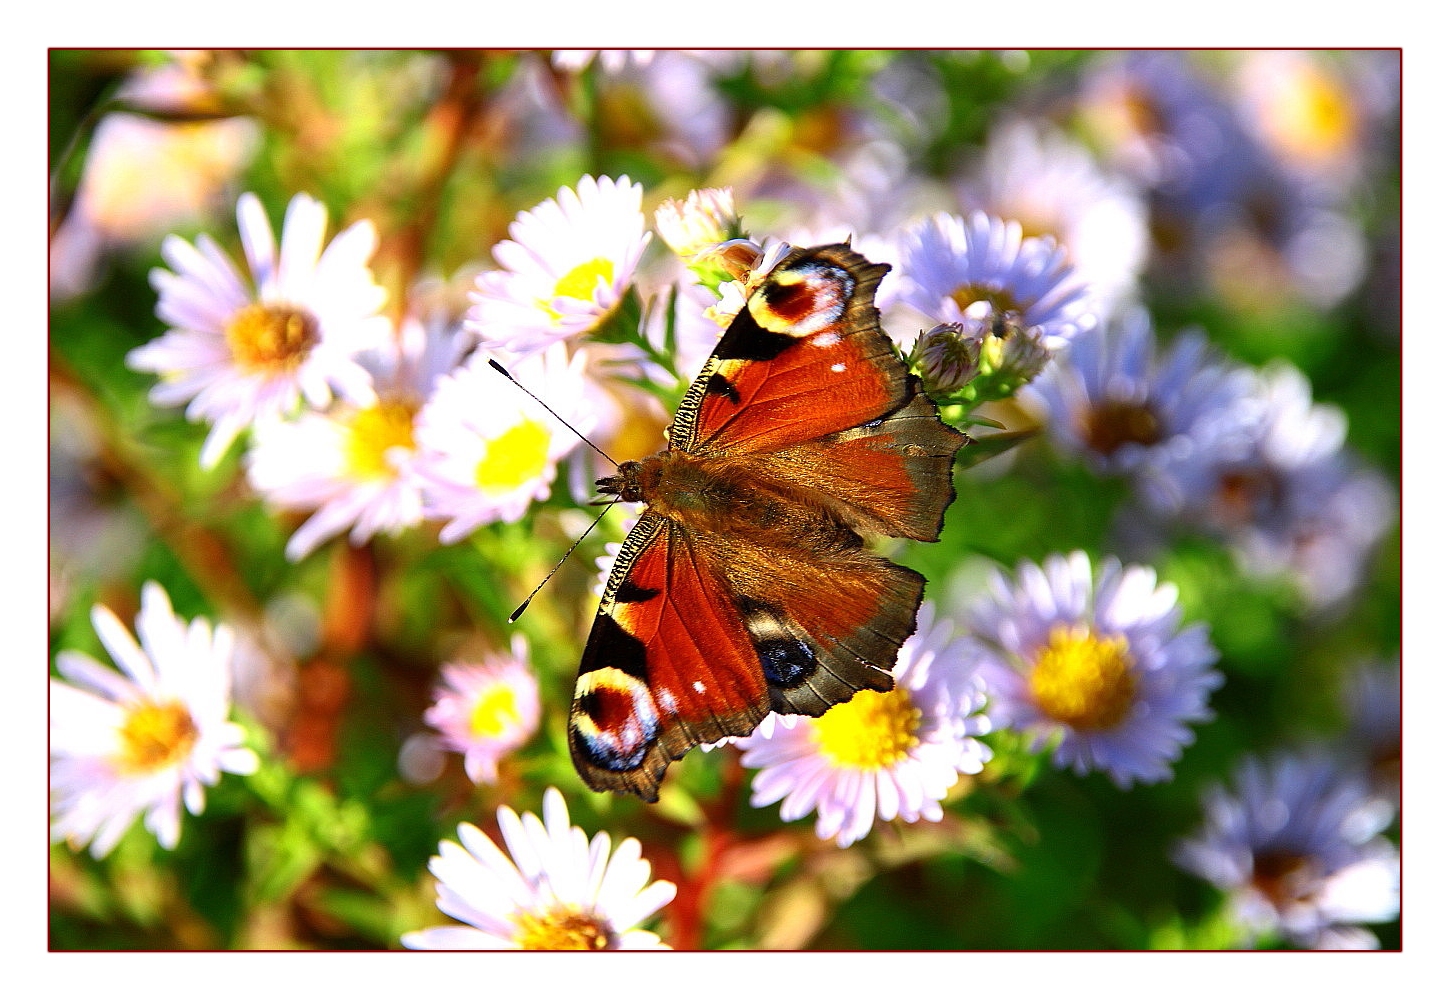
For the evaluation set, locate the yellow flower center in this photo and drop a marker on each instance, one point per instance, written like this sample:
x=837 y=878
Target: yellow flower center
x=512 y=459
x=580 y=283
x=370 y=435
x=271 y=338
x=496 y=711
x=156 y=736
x=562 y=928
x=872 y=731
x=1000 y=299
x=1113 y=423
x=1084 y=680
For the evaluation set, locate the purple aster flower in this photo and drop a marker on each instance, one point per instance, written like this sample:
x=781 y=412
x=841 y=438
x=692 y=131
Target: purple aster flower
x=949 y=263
x=1295 y=844
x=1097 y=665
x=1112 y=398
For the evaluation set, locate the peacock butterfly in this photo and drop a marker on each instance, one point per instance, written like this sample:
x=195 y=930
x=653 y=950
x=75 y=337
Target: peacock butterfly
x=744 y=586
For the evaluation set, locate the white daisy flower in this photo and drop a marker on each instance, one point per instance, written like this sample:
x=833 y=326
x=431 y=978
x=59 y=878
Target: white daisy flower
x=487 y=449
x=356 y=465
x=566 y=269
x=894 y=754
x=1296 y=845
x=553 y=891
x=486 y=710
x=143 y=741
x=948 y=264
x=239 y=350
x=1097 y=665
x=1112 y=399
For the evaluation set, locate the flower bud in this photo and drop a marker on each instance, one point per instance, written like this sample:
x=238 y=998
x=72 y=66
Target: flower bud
x=946 y=358
x=1013 y=352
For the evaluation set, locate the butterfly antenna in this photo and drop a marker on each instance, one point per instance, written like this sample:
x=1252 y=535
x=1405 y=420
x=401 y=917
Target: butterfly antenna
x=504 y=372
x=520 y=610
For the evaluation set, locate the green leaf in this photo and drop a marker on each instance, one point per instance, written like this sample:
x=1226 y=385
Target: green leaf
x=980 y=449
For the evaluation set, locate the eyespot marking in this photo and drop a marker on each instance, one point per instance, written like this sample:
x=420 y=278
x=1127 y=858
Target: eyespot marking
x=803 y=300
x=614 y=719
x=786 y=661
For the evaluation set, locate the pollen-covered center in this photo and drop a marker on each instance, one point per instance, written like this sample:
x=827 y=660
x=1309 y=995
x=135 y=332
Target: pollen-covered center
x=517 y=456
x=371 y=433
x=872 y=731
x=579 y=282
x=562 y=927
x=156 y=736
x=1113 y=423
x=495 y=713
x=1082 y=679
x=271 y=337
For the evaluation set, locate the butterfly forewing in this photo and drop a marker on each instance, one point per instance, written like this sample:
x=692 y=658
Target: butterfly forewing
x=666 y=667
x=804 y=357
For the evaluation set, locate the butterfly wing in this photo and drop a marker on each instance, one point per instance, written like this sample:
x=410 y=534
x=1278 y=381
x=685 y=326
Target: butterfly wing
x=824 y=623
x=668 y=665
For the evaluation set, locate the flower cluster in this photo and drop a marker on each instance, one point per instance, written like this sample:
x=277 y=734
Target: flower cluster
x=1218 y=448
x=373 y=429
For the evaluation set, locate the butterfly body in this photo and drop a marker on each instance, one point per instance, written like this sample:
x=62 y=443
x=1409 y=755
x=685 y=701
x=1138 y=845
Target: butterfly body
x=746 y=586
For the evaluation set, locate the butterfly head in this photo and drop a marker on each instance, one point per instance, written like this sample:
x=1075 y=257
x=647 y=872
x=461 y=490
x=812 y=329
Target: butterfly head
x=624 y=484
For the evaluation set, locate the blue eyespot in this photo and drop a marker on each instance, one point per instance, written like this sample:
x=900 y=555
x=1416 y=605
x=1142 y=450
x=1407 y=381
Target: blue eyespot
x=786 y=662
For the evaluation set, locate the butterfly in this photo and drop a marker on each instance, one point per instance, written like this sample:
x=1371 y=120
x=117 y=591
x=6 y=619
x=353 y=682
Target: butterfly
x=745 y=587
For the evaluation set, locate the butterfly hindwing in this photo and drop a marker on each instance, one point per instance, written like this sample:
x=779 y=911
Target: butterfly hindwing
x=833 y=629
